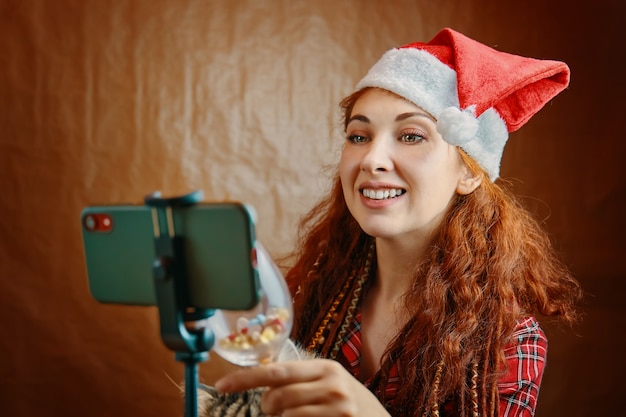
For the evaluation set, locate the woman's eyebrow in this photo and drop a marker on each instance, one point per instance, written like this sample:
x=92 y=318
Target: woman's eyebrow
x=360 y=118
x=399 y=118
x=404 y=116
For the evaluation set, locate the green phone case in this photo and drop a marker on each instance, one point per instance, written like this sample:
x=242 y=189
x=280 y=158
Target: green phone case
x=218 y=240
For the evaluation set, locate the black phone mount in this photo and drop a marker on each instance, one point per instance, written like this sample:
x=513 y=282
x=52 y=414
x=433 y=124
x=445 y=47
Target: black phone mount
x=176 y=313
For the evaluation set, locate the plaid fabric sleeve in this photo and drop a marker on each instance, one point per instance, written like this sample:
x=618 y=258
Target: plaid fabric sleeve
x=526 y=359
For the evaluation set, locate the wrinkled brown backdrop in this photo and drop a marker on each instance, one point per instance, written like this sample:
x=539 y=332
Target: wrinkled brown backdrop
x=103 y=101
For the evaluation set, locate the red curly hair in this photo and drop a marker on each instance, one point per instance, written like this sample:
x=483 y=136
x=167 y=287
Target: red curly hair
x=489 y=265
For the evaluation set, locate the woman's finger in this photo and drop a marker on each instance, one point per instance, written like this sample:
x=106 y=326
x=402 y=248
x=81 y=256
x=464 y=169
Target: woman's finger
x=275 y=374
x=320 y=391
x=314 y=410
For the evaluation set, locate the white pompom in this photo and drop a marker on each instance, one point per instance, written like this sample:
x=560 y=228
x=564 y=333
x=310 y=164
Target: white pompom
x=457 y=127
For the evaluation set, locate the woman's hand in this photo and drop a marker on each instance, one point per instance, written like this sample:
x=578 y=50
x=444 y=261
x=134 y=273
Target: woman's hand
x=317 y=387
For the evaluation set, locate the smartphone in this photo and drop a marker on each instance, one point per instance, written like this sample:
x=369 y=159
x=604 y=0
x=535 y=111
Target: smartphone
x=219 y=252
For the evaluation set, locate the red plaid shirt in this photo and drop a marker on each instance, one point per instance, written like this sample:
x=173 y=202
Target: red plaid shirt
x=518 y=388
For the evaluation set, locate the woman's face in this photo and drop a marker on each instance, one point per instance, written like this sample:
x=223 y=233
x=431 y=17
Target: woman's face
x=398 y=175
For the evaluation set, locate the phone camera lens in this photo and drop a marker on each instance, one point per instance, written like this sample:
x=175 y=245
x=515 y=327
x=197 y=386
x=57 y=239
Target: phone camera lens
x=90 y=222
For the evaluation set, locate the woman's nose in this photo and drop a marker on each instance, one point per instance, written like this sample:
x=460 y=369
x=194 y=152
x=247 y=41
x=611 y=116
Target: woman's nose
x=378 y=156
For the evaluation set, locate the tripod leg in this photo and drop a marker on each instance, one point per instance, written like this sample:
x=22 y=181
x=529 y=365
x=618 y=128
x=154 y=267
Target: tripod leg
x=191 y=361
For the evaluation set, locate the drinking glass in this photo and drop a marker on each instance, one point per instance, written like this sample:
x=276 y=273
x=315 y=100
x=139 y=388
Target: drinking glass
x=256 y=336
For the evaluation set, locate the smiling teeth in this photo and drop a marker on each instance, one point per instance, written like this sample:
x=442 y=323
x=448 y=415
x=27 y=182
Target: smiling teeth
x=382 y=194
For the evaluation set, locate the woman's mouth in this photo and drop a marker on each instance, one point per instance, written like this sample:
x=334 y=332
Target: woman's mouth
x=382 y=194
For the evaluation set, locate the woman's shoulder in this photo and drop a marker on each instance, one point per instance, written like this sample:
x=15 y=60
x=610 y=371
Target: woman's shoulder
x=528 y=338
x=528 y=326
x=525 y=355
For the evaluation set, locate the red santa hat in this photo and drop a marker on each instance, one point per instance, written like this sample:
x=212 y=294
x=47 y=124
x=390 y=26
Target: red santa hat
x=477 y=94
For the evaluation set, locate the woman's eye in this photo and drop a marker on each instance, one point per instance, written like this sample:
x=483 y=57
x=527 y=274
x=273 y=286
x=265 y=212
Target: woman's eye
x=411 y=137
x=357 y=138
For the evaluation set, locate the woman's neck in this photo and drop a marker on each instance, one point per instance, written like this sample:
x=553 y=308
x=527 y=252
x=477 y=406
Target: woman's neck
x=396 y=263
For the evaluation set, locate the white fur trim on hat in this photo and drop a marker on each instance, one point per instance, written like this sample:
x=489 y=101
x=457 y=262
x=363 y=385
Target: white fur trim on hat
x=417 y=76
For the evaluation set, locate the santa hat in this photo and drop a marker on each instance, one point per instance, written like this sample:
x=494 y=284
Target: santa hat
x=477 y=94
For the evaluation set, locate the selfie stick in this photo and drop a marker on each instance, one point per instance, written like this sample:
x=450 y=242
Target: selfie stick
x=170 y=282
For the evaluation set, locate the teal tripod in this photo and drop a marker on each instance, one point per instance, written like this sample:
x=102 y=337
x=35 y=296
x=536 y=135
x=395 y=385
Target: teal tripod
x=190 y=345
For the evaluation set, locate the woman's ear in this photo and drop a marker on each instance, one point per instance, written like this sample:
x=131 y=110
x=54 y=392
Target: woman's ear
x=468 y=181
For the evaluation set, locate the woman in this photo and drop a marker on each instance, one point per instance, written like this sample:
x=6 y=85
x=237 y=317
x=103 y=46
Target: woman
x=418 y=280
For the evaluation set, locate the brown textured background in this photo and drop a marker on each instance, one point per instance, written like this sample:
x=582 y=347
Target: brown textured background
x=103 y=101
